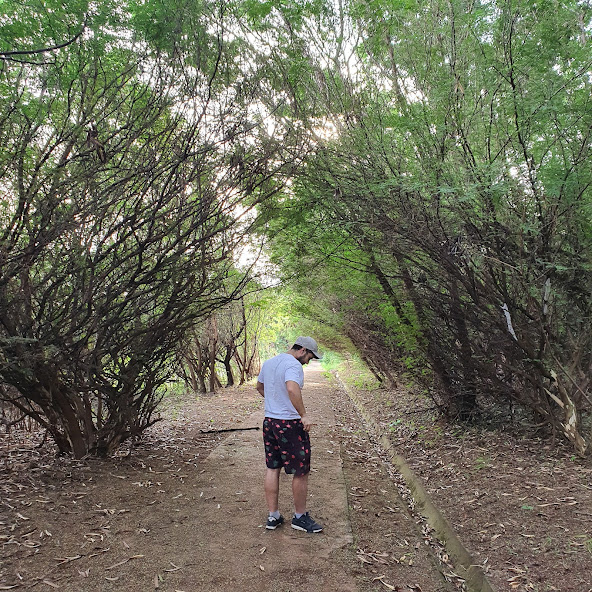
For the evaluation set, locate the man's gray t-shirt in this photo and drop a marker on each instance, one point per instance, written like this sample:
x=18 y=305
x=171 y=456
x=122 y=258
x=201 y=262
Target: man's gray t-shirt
x=274 y=374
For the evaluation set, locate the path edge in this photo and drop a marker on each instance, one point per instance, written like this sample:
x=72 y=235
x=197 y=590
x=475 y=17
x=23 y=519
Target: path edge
x=473 y=574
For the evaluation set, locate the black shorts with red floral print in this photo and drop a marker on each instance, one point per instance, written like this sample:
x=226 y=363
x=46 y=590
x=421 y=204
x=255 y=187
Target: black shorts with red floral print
x=287 y=445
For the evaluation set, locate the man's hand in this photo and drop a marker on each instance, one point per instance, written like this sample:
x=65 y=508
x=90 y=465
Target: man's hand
x=306 y=422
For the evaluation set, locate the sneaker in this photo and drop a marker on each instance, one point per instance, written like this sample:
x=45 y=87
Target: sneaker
x=273 y=523
x=306 y=523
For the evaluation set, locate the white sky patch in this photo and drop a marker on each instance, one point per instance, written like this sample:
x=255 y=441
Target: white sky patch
x=325 y=130
x=253 y=257
x=410 y=90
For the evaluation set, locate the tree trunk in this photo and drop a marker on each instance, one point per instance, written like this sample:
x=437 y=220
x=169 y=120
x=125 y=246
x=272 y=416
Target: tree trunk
x=228 y=366
x=467 y=397
x=246 y=341
x=572 y=424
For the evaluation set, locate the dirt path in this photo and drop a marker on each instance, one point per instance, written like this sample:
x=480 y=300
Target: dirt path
x=238 y=553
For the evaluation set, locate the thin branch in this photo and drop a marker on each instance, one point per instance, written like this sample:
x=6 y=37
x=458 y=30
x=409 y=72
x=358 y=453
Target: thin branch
x=5 y=54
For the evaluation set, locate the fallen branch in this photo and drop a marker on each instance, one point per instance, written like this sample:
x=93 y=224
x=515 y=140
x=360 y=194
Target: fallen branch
x=228 y=430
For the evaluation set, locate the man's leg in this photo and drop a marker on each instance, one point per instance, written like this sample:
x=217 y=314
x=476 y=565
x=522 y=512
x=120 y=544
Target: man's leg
x=302 y=519
x=272 y=488
x=300 y=492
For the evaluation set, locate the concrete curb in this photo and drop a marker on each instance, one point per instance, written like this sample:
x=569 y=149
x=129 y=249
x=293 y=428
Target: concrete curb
x=466 y=567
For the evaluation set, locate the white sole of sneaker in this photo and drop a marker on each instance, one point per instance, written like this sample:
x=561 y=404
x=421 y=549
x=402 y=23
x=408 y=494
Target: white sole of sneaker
x=304 y=529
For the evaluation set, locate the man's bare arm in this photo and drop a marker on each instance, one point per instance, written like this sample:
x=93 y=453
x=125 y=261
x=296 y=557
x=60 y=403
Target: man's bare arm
x=261 y=388
x=295 y=394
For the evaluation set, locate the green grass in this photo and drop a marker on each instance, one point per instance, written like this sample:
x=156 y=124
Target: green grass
x=332 y=361
x=351 y=370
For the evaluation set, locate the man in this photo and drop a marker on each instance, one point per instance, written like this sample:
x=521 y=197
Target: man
x=285 y=431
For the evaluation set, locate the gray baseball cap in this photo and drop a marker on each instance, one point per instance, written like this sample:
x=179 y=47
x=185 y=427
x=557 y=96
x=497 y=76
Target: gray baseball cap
x=310 y=344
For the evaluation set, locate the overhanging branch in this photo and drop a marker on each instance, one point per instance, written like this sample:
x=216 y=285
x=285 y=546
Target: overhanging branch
x=8 y=54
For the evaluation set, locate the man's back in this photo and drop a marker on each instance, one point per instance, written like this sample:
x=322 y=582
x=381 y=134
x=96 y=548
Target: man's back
x=274 y=374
